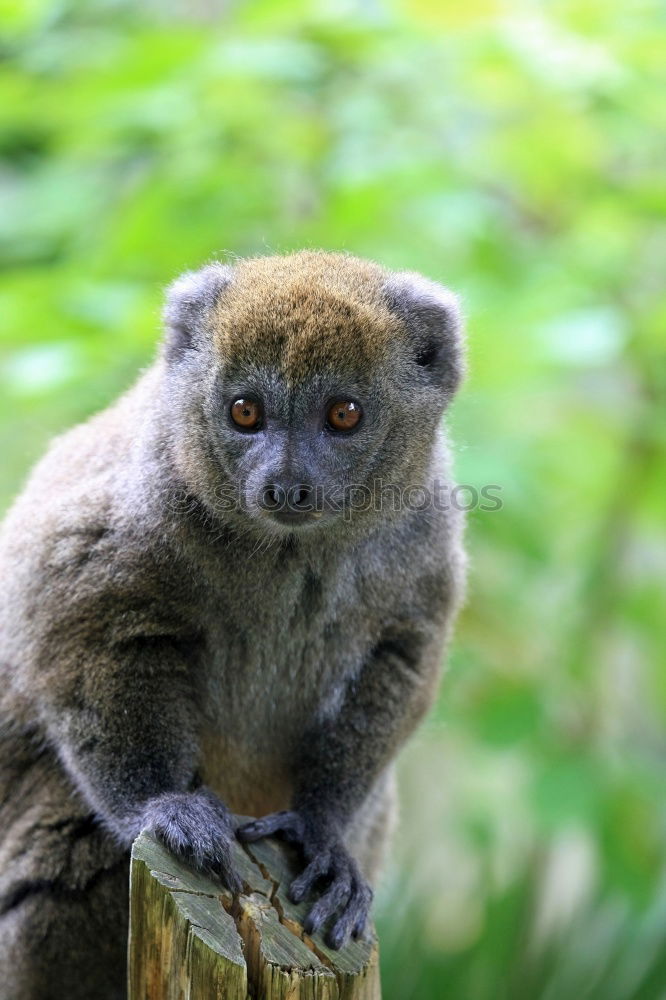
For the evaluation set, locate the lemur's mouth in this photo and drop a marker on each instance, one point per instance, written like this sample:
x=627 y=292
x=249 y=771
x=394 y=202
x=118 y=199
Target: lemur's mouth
x=296 y=518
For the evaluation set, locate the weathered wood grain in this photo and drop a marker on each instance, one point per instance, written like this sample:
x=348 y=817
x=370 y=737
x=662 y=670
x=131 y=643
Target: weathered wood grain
x=190 y=939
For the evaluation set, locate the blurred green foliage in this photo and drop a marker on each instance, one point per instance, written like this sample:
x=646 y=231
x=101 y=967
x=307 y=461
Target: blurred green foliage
x=516 y=152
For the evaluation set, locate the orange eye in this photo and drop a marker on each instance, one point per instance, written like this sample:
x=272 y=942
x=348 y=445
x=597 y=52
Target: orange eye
x=343 y=415
x=246 y=413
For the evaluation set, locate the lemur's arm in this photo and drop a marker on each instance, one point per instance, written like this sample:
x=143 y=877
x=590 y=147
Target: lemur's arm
x=119 y=712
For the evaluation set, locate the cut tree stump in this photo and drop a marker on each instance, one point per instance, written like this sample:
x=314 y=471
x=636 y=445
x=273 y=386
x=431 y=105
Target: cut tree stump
x=190 y=939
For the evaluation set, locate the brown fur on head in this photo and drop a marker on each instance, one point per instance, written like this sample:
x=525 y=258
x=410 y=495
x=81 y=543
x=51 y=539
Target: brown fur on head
x=305 y=309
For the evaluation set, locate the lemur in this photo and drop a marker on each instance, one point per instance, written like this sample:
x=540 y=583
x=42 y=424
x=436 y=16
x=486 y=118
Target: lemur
x=211 y=605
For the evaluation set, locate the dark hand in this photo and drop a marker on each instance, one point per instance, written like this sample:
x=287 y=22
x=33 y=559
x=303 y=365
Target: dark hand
x=346 y=893
x=195 y=826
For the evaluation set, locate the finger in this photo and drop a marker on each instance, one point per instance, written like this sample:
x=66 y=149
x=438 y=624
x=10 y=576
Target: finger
x=221 y=867
x=335 y=897
x=217 y=860
x=354 y=914
x=202 y=852
x=360 y=927
x=266 y=826
x=231 y=879
x=319 y=866
x=226 y=870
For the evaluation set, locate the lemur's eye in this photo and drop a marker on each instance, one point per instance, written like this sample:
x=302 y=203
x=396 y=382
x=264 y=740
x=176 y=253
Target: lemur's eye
x=343 y=415
x=246 y=413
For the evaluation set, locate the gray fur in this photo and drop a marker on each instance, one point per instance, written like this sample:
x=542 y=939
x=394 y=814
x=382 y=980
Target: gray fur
x=433 y=313
x=189 y=302
x=164 y=661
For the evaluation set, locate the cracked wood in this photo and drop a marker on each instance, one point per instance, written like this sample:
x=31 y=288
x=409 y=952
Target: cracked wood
x=190 y=939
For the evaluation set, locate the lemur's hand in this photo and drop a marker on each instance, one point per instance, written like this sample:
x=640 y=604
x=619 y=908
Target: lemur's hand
x=195 y=826
x=346 y=892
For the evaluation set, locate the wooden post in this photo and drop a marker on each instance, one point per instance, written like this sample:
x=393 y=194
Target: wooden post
x=190 y=939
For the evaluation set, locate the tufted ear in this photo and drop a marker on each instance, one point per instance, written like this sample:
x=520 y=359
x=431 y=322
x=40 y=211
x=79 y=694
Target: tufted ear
x=433 y=319
x=189 y=301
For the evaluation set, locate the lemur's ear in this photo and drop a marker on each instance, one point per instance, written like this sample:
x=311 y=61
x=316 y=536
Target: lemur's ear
x=189 y=301
x=432 y=316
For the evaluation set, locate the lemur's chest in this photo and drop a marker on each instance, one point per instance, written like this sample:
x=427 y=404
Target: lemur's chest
x=280 y=649
x=285 y=644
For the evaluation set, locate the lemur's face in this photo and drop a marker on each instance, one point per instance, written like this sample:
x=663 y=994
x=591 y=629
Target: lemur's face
x=323 y=381
x=300 y=454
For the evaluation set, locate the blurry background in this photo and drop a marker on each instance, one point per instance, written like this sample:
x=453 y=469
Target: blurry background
x=515 y=151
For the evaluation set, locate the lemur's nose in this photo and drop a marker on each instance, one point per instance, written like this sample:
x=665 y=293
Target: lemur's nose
x=289 y=497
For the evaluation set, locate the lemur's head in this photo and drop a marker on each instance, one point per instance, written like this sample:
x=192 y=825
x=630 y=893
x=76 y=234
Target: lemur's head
x=306 y=382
